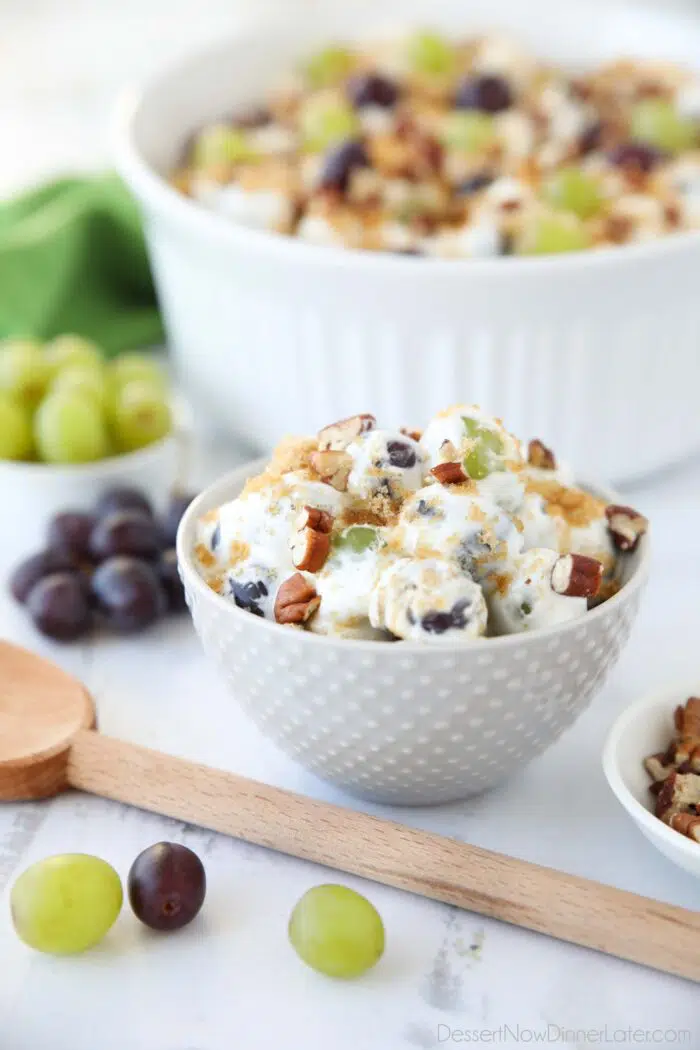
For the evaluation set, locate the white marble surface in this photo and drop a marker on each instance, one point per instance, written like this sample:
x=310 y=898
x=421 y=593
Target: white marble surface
x=231 y=978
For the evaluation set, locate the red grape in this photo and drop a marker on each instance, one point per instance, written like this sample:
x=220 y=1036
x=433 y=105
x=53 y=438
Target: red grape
x=167 y=885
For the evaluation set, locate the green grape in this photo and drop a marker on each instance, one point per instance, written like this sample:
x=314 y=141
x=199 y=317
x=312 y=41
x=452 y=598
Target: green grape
x=574 y=190
x=430 y=53
x=486 y=451
x=326 y=119
x=357 y=538
x=68 y=351
x=658 y=123
x=24 y=370
x=85 y=380
x=329 y=67
x=136 y=366
x=220 y=144
x=469 y=131
x=66 y=904
x=336 y=931
x=140 y=415
x=555 y=234
x=69 y=427
x=16 y=440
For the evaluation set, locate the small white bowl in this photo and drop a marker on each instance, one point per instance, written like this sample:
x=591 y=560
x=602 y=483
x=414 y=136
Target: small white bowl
x=406 y=723
x=643 y=729
x=31 y=493
x=274 y=335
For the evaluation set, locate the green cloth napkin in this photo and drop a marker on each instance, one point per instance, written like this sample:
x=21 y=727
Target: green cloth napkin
x=73 y=259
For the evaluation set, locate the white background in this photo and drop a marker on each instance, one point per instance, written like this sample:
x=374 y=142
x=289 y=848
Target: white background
x=230 y=982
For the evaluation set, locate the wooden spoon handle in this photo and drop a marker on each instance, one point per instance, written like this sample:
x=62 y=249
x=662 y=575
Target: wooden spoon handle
x=564 y=906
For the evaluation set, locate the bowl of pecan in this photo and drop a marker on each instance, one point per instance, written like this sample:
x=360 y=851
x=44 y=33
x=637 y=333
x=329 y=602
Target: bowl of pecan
x=412 y=615
x=492 y=197
x=652 y=763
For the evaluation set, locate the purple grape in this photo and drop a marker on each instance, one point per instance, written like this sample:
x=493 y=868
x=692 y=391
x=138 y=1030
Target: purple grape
x=123 y=498
x=401 y=454
x=58 y=604
x=126 y=532
x=29 y=572
x=635 y=155
x=166 y=886
x=475 y=183
x=169 y=577
x=128 y=593
x=371 y=89
x=179 y=502
x=491 y=94
x=70 y=532
x=340 y=164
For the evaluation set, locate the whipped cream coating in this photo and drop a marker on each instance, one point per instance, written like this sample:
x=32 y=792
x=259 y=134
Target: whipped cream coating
x=439 y=537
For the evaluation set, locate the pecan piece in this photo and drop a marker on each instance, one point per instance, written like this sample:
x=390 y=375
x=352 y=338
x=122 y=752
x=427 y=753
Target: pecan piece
x=449 y=473
x=337 y=436
x=687 y=744
x=311 y=543
x=577 y=576
x=686 y=823
x=333 y=467
x=415 y=435
x=680 y=794
x=538 y=455
x=448 y=451
x=626 y=526
x=296 y=600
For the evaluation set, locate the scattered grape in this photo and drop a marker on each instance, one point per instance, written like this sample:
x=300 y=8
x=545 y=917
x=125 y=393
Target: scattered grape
x=329 y=67
x=555 y=234
x=169 y=577
x=122 y=498
x=469 y=131
x=16 y=441
x=128 y=593
x=71 y=351
x=336 y=931
x=125 y=532
x=657 y=123
x=66 y=904
x=167 y=885
x=29 y=572
x=69 y=428
x=59 y=606
x=141 y=415
x=574 y=190
x=23 y=371
x=327 y=119
x=430 y=53
x=221 y=145
x=70 y=531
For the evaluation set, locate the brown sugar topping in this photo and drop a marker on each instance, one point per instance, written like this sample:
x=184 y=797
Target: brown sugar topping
x=204 y=556
x=576 y=507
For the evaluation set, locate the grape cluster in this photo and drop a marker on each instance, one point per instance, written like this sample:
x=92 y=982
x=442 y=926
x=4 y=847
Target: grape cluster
x=66 y=904
x=62 y=403
x=116 y=566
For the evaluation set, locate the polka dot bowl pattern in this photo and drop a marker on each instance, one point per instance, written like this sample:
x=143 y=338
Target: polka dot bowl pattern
x=403 y=723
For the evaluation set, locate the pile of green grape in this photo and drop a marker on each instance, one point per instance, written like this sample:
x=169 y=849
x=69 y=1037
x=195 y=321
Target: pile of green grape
x=66 y=904
x=61 y=402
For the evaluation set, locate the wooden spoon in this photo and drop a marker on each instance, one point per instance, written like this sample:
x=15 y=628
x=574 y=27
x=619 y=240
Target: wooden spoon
x=48 y=743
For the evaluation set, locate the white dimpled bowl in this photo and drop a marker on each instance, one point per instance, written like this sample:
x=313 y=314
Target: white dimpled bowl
x=404 y=723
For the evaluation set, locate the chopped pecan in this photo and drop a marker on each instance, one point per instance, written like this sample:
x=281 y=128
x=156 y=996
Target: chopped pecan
x=658 y=767
x=296 y=600
x=577 y=576
x=337 y=436
x=415 y=435
x=538 y=455
x=311 y=543
x=449 y=473
x=448 y=451
x=626 y=526
x=687 y=744
x=333 y=467
x=686 y=823
x=680 y=794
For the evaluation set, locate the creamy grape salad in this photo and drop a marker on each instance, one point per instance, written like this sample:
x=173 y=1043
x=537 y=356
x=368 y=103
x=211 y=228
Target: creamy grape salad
x=442 y=536
x=474 y=148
